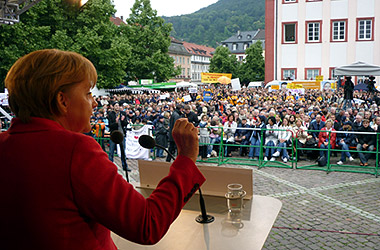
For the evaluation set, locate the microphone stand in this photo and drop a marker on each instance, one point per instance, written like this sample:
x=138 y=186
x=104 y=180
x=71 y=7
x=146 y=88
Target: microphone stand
x=203 y=218
x=123 y=161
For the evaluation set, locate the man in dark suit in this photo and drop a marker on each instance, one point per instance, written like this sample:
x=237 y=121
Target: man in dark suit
x=190 y=115
x=316 y=124
x=117 y=120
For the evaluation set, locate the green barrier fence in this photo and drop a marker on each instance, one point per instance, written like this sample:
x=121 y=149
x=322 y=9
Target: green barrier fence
x=294 y=150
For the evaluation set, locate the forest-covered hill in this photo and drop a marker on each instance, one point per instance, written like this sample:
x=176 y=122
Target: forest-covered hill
x=215 y=23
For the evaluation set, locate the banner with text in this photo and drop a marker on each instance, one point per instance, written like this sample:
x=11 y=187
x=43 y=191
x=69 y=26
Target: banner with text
x=213 y=77
x=133 y=150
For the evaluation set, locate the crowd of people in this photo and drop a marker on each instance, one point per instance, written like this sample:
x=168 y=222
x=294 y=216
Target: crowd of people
x=251 y=116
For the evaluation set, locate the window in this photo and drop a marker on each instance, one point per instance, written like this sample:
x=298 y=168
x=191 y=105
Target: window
x=364 y=29
x=289 y=1
x=311 y=74
x=288 y=74
x=339 y=30
x=246 y=45
x=234 y=46
x=313 y=32
x=240 y=58
x=248 y=36
x=289 y=31
x=332 y=73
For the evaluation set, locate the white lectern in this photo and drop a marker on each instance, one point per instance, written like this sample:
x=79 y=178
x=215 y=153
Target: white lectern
x=247 y=232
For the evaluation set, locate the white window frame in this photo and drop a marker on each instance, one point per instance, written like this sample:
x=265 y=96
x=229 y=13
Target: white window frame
x=365 y=29
x=313 y=32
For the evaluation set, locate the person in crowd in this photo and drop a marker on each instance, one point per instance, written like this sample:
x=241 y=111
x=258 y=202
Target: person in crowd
x=366 y=140
x=358 y=122
x=346 y=139
x=242 y=135
x=177 y=114
x=100 y=128
x=204 y=136
x=66 y=193
x=376 y=125
x=316 y=125
x=190 y=115
x=161 y=132
x=284 y=137
x=117 y=121
x=327 y=139
x=257 y=137
x=229 y=130
x=348 y=92
x=301 y=135
x=215 y=132
x=271 y=139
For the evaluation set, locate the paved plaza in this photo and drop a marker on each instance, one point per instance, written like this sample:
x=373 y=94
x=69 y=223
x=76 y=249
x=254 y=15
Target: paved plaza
x=320 y=211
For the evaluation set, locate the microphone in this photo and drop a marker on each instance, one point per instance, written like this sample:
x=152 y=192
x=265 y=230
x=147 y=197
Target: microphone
x=117 y=137
x=146 y=141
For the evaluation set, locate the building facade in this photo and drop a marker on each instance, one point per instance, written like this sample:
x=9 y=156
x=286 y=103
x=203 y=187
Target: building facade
x=182 y=58
x=200 y=59
x=238 y=43
x=307 y=38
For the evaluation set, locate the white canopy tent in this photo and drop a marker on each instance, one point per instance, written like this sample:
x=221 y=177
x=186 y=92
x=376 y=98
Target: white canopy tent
x=358 y=69
x=185 y=85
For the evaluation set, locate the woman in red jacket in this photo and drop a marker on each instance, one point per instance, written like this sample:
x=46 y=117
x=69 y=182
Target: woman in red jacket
x=58 y=189
x=327 y=138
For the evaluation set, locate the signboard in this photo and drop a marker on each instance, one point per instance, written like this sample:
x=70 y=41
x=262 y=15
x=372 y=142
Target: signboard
x=187 y=98
x=3 y=99
x=319 y=78
x=294 y=85
x=235 y=84
x=164 y=96
x=133 y=150
x=213 y=77
x=146 y=81
x=192 y=90
x=308 y=84
x=207 y=96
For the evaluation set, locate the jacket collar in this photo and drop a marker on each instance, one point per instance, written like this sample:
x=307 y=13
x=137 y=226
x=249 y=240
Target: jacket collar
x=36 y=124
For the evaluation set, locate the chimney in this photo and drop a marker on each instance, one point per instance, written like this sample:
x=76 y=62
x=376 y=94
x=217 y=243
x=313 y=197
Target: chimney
x=122 y=18
x=238 y=33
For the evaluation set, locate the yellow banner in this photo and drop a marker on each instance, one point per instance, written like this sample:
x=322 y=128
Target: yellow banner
x=213 y=77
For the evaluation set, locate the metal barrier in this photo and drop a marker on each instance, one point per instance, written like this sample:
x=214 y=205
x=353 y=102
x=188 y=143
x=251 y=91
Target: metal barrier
x=344 y=168
x=293 y=163
x=224 y=159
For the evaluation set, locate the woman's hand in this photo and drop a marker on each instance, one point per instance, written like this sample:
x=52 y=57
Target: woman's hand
x=186 y=138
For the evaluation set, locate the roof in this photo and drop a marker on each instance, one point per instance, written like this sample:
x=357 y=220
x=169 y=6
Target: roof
x=176 y=47
x=117 y=20
x=199 y=50
x=246 y=36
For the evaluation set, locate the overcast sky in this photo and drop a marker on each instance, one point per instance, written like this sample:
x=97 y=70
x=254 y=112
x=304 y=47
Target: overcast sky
x=164 y=7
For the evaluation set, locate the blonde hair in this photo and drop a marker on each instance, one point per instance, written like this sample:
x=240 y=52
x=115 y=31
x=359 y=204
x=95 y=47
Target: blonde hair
x=330 y=121
x=35 y=80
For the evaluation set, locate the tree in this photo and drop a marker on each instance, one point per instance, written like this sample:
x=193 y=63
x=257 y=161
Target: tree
x=150 y=40
x=253 y=68
x=55 y=24
x=223 y=62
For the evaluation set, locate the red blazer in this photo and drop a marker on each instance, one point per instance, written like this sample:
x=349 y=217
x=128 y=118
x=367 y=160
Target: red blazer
x=59 y=191
x=323 y=136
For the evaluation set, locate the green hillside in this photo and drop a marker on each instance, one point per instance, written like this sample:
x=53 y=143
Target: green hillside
x=215 y=23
